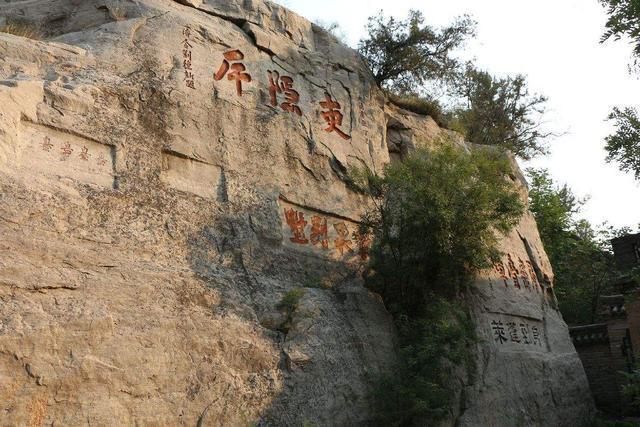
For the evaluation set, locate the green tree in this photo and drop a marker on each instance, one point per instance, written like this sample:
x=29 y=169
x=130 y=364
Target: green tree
x=405 y=54
x=409 y=58
x=581 y=257
x=500 y=111
x=624 y=145
x=436 y=220
x=623 y=21
x=554 y=208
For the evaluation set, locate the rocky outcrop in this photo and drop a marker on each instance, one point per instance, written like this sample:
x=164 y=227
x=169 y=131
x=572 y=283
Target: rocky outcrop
x=169 y=171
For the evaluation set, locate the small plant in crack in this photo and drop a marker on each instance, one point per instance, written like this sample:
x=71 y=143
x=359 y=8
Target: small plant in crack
x=288 y=305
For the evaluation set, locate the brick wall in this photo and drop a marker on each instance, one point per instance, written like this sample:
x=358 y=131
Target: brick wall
x=594 y=348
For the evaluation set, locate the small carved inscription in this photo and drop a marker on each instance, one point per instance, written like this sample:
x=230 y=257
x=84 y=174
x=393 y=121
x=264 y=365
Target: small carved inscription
x=55 y=153
x=187 y=59
x=520 y=272
x=516 y=332
x=519 y=333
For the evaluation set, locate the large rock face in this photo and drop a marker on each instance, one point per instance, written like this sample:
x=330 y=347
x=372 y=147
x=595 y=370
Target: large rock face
x=169 y=170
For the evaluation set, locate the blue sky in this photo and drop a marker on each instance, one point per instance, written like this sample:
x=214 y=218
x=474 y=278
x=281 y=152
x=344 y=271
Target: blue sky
x=555 y=43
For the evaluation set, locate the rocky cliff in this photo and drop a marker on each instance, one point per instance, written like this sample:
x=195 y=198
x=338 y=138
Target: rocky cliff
x=169 y=171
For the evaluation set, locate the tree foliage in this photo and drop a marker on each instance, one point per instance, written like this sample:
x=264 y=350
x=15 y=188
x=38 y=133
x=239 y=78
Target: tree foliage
x=623 y=21
x=624 y=145
x=435 y=222
x=500 y=111
x=404 y=54
x=581 y=256
x=419 y=391
x=409 y=57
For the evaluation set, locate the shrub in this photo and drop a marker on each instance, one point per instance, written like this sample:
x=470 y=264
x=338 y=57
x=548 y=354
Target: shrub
x=289 y=304
x=421 y=105
x=631 y=390
x=291 y=299
x=436 y=221
x=421 y=389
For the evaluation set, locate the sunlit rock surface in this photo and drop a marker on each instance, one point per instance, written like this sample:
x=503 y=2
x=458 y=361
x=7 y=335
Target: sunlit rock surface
x=169 y=170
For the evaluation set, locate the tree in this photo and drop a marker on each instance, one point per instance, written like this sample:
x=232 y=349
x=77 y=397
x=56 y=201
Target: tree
x=436 y=220
x=407 y=57
x=404 y=55
x=624 y=145
x=554 y=209
x=623 y=21
x=500 y=111
x=581 y=257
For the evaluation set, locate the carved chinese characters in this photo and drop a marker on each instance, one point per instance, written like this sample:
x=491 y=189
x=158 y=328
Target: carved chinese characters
x=233 y=69
x=323 y=234
x=364 y=243
x=516 y=332
x=186 y=59
x=58 y=154
x=284 y=85
x=46 y=144
x=342 y=242
x=333 y=116
x=282 y=88
x=517 y=271
x=296 y=222
x=66 y=151
x=499 y=333
x=319 y=231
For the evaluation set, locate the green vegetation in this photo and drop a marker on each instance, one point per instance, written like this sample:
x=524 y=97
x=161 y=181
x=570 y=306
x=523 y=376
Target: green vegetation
x=420 y=390
x=624 y=21
x=631 y=390
x=289 y=304
x=407 y=57
x=436 y=220
x=332 y=28
x=581 y=256
x=22 y=29
x=317 y=283
x=601 y=422
x=421 y=105
x=624 y=145
x=500 y=111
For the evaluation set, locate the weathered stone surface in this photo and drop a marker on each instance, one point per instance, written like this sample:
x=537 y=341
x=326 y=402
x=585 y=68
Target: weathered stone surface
x=145 y=244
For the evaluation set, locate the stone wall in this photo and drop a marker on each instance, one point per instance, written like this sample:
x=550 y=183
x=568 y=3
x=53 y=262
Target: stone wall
x=170 y=170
